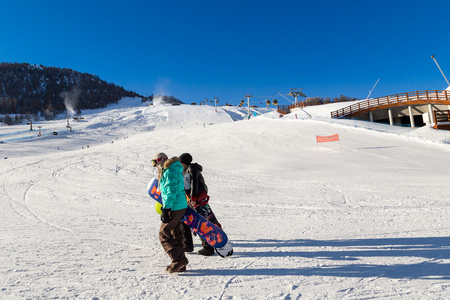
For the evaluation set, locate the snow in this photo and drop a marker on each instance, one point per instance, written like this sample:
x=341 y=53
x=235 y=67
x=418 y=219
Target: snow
x=362 y=218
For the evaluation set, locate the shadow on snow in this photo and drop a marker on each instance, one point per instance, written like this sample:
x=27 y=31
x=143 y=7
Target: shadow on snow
x=352 y=252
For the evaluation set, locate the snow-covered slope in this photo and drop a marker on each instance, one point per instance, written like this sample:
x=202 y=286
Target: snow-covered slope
x=365 y=217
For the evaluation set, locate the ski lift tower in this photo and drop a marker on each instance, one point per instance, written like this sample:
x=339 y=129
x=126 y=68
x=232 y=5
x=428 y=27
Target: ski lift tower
x=215 y=103
x=248 y=96
x=295 y=93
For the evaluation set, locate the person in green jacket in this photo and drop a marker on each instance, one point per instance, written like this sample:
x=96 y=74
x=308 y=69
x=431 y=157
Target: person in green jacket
x=171 y=185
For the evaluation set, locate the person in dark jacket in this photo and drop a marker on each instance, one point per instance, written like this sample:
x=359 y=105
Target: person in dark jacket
x=197 y=191
x=171 y=185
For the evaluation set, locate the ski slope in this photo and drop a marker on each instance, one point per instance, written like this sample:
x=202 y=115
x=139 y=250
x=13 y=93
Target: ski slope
x=362 y=218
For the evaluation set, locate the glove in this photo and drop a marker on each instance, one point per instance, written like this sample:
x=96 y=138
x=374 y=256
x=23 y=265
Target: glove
x=193 y=202
x=165 y=217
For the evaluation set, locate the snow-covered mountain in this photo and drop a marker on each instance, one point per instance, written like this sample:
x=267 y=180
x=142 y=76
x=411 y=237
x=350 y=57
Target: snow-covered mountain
x=362 y=217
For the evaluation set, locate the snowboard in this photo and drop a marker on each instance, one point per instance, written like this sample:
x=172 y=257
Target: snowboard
x=212 y=234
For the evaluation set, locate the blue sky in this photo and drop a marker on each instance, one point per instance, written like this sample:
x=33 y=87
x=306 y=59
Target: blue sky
x=204 y=49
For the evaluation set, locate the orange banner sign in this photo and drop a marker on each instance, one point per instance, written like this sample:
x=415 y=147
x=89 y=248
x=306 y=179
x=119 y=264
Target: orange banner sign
x=330 y=138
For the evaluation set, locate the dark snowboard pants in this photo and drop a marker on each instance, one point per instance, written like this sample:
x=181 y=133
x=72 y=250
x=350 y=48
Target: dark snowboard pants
x=171 y=237
x=187 y=240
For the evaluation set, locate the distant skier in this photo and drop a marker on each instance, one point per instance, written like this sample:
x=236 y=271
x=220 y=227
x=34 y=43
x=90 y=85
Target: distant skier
x=197 y=191
x=174 y=206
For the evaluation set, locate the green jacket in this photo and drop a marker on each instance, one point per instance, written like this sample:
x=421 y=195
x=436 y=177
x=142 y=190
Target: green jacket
x=171 y=185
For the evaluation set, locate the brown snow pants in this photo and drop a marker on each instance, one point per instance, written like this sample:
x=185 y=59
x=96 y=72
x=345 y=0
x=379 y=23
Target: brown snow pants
x=171 y=237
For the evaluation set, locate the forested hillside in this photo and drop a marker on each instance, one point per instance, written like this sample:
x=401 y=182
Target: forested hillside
x=31 y=89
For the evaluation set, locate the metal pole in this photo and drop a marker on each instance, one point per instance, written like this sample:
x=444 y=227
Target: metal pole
x=432 y=56
x=373 y=88
x=248 y=111
x=248 y=103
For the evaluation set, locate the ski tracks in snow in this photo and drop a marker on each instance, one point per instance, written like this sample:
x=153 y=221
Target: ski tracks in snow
x=17 y=182
x=23 y=184
x=247 y=266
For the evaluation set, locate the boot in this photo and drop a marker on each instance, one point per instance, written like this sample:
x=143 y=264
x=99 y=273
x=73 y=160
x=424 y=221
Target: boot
x=174 y=269
x=207 y=250
x=179 y=266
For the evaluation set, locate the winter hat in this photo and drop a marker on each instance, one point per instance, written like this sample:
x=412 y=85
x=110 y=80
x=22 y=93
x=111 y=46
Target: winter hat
x=159 y=160
x=185 y=158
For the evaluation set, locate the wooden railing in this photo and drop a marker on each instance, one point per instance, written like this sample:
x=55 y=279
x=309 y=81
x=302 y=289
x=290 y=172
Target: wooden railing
x=442 y=119
x=442 y=116
x=417 y=97
x=285 y=109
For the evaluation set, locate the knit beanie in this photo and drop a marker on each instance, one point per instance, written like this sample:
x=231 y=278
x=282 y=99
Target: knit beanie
x=185 y=158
